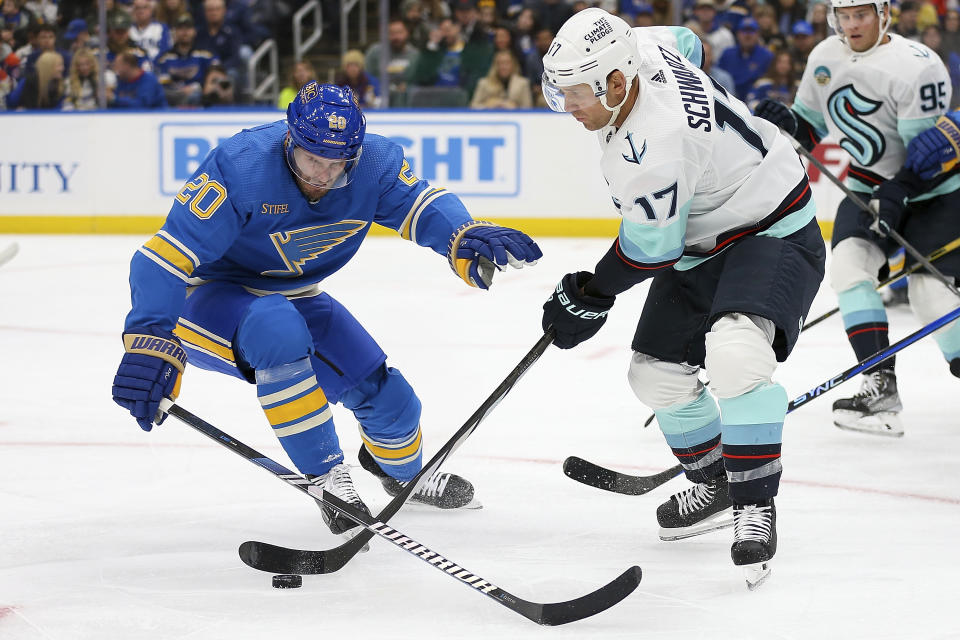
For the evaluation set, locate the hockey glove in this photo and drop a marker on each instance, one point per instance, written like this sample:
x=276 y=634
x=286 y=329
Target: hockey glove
x=150 y=370
x=888 y=201
x=478 y=248
x=937 y=149
x=574 y=315
x=777 y=113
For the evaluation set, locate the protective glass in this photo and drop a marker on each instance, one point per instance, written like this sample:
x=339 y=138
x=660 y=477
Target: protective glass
x=317 y=171
x=568 y=99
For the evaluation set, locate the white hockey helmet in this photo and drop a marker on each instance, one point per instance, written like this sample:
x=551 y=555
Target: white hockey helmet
x=589 y=46
x=885 y=17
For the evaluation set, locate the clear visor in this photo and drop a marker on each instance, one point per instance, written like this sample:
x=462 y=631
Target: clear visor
x=317 y=171
x=568 y=99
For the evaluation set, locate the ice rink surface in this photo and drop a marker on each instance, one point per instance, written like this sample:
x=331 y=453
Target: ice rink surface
x=109 y=532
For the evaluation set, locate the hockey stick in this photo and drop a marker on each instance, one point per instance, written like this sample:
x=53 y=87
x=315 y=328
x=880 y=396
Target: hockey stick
x=542 y=613
x=602 y=478
x=7 y=254
x=277 y=559
x=936 y=255
x=857 y=200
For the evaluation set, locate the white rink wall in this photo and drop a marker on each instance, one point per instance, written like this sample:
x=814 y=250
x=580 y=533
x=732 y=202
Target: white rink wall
x=110 y=172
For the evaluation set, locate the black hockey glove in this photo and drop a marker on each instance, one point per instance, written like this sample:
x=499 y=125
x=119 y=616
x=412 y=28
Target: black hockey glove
x=888 y=201
x=574 y=315
x=777 y=113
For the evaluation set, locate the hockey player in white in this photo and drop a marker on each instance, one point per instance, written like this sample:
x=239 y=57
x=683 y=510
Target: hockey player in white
x=717 y=210
x=874 y=92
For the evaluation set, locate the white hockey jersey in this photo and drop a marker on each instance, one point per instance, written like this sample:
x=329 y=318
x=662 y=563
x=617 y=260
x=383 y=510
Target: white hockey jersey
x=691 y=170
x=874 y=104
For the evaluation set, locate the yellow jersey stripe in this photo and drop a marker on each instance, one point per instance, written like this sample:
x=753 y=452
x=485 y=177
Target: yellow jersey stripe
x=163 y=264
x=170 y=253
x=209 y=334
x=296 y=408
x=184 y=248
x=193 y=338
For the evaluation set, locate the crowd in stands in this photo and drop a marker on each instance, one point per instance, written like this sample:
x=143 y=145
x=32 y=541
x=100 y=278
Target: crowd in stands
x=485 y=54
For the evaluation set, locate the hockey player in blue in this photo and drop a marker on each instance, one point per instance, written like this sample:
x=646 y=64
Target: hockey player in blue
x=230 y=283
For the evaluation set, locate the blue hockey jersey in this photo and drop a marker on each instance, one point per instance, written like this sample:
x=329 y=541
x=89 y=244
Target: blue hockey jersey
x=241 y=218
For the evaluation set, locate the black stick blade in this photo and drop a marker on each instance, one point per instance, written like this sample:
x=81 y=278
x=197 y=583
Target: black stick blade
x=558 y=613
x=281 y=560
x=594 y=475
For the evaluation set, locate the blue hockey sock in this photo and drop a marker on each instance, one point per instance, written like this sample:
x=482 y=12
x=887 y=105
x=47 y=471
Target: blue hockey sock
x=300 y=416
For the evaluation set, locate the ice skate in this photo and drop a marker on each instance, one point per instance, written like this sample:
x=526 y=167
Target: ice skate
x=754 y=540
x=874 y=409
x=338 y=482
x=441 y=490
x=702 y=508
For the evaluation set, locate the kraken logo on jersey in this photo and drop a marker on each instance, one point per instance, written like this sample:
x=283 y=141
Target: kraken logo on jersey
x=637 y=157
x=863 y=141
x=298 y=246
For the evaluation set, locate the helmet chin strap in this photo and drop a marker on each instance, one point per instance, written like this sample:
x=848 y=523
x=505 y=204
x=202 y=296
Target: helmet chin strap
x=615 y=110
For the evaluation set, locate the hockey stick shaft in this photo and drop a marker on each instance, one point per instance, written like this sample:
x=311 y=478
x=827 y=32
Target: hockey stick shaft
x=932 y=257
x=874 y=360
x=892 y=233
x=603 y=478
x=541 y=614
x=279 y=560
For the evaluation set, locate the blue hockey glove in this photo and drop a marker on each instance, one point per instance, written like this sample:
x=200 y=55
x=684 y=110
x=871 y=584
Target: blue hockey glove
x=937 y=149
x=574 y=315
x=777 y=113
x=149 y=371
x=888 y=201
x=478 y=248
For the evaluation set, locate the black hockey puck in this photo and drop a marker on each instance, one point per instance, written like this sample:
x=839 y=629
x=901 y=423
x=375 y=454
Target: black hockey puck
x=287 y=581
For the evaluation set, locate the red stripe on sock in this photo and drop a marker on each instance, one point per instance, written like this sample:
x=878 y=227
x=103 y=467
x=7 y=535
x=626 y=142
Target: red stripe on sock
x=850 y=335
x=771 y=455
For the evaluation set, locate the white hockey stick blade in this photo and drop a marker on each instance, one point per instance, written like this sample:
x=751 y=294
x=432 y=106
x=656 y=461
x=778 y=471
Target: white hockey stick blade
x=7 y=254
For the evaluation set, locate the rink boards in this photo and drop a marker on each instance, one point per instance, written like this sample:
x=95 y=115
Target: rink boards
x=118 y=172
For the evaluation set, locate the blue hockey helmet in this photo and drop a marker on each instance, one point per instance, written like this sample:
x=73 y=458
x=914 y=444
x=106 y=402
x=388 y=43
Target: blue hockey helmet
x=326 y=129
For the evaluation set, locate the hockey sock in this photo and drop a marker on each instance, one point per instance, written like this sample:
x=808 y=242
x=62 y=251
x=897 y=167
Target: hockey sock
x=752 y=433
x=865 y=320
x=693 y=432
x=300 y=415
x=388 y=411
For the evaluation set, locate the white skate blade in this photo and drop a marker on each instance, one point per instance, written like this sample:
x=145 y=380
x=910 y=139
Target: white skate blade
x=756 y=574
x=883 y=423
x=717 y=521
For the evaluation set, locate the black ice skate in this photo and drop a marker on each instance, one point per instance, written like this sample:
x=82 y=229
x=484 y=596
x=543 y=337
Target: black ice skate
x=754 y=540
x=338 y=482
x=441 y=490
x=874 y=409
x=702 y=508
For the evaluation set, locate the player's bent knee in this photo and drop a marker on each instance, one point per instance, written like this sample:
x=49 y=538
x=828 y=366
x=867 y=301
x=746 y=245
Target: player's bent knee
x=739 y=355
x=272 y=332
x=930 y=298
x=659 y=384
x=854 y=261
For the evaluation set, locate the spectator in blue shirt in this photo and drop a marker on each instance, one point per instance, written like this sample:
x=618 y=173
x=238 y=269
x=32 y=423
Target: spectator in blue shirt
x=748 y=59
x=218 y=37
x=136 y=88
x=182 y=69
